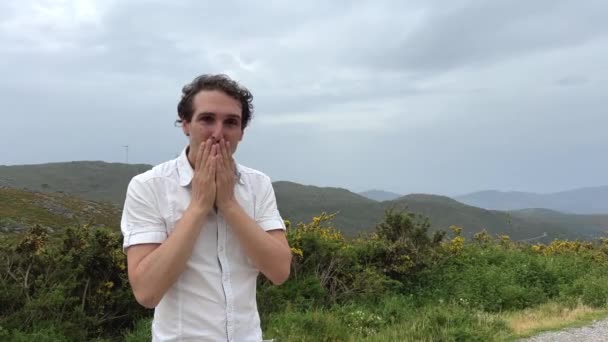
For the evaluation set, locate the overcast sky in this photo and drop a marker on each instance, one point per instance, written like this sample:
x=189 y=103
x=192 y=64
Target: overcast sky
x=444 y=97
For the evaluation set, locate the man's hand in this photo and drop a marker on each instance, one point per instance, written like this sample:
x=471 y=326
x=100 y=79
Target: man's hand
x=203 y=181
x=154 y=268
x=224 y=177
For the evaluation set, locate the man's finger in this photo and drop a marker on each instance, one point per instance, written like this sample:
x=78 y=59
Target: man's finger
x=200 y=156
x=218 y=170
x=212 y=168
x=208 y=153
x=229 y=149
x=210 y=162
x=214 y=152
x=219 y=161
x=224 y=151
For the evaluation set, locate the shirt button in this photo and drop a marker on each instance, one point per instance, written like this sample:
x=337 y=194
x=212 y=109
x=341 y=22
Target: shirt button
x=221 y=248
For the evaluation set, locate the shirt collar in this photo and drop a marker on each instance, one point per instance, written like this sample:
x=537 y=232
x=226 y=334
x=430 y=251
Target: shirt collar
x=186 y=172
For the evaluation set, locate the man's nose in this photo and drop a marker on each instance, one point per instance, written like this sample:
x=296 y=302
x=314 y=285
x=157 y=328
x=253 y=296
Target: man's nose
x=218 y=132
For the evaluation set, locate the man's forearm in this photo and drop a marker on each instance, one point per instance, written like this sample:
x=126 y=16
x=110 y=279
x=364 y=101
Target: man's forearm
x=270 y=255
x=157 y=271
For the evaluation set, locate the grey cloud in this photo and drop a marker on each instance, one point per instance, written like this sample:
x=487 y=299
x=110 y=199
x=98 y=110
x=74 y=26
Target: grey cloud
x=337 y=93
x=572 y=81
x=481 y=32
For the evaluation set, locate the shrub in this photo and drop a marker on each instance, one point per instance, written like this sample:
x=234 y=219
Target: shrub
x=75 y=282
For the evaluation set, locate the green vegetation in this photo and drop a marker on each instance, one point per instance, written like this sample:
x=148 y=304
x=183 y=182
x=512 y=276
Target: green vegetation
x=400 y=282
x=73 y=287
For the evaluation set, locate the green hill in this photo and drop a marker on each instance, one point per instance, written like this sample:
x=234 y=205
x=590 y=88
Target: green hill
x=93 y=180
x=22 y=208
x=581 y=226
x=299 y=203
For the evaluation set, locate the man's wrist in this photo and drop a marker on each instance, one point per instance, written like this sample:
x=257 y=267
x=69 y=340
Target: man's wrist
x=198 y=211
x=229 y=206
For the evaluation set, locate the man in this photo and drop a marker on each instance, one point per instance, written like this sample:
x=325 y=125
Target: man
x=198 y=229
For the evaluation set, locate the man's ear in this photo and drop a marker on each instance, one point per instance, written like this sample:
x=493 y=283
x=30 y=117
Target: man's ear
x=186 y=128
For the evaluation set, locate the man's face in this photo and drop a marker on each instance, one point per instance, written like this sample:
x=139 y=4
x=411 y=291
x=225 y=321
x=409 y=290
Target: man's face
x=216 y=115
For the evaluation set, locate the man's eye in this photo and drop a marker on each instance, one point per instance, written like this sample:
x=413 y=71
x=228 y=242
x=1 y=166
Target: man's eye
x=206 y=119
x=232 y=122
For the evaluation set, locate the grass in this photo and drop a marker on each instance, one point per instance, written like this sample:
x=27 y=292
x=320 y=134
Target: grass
x=445 y=323
x=141 y=332
x=394 y=318
x=550 y=317
x=429 y=323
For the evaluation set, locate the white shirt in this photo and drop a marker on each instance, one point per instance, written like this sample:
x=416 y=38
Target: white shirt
x=214 y=299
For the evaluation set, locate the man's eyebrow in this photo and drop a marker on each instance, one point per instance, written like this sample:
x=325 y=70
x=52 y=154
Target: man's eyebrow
x=233 y=116
x=228 y=116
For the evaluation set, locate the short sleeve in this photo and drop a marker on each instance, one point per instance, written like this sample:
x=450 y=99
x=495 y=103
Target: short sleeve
x=268 y=216
x=141 y=219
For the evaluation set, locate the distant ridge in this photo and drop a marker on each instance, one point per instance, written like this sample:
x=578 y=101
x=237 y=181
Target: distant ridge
x=589 y=200
x=380 y=195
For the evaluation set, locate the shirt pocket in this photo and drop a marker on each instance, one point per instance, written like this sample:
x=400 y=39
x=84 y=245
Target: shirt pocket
x=177 y=202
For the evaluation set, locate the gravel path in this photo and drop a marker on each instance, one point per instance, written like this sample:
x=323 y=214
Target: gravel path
x=598 y=331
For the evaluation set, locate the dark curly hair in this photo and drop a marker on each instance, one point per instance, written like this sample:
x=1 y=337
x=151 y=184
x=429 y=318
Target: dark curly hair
x=221 y=82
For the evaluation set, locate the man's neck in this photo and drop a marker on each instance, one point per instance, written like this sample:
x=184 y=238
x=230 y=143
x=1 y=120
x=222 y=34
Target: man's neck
x=190 y=160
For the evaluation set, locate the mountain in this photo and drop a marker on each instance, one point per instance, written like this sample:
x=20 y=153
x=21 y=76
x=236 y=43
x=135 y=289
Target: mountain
x=591 y=200
x=46 y=200
x=380 y=195
x=93 y=180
